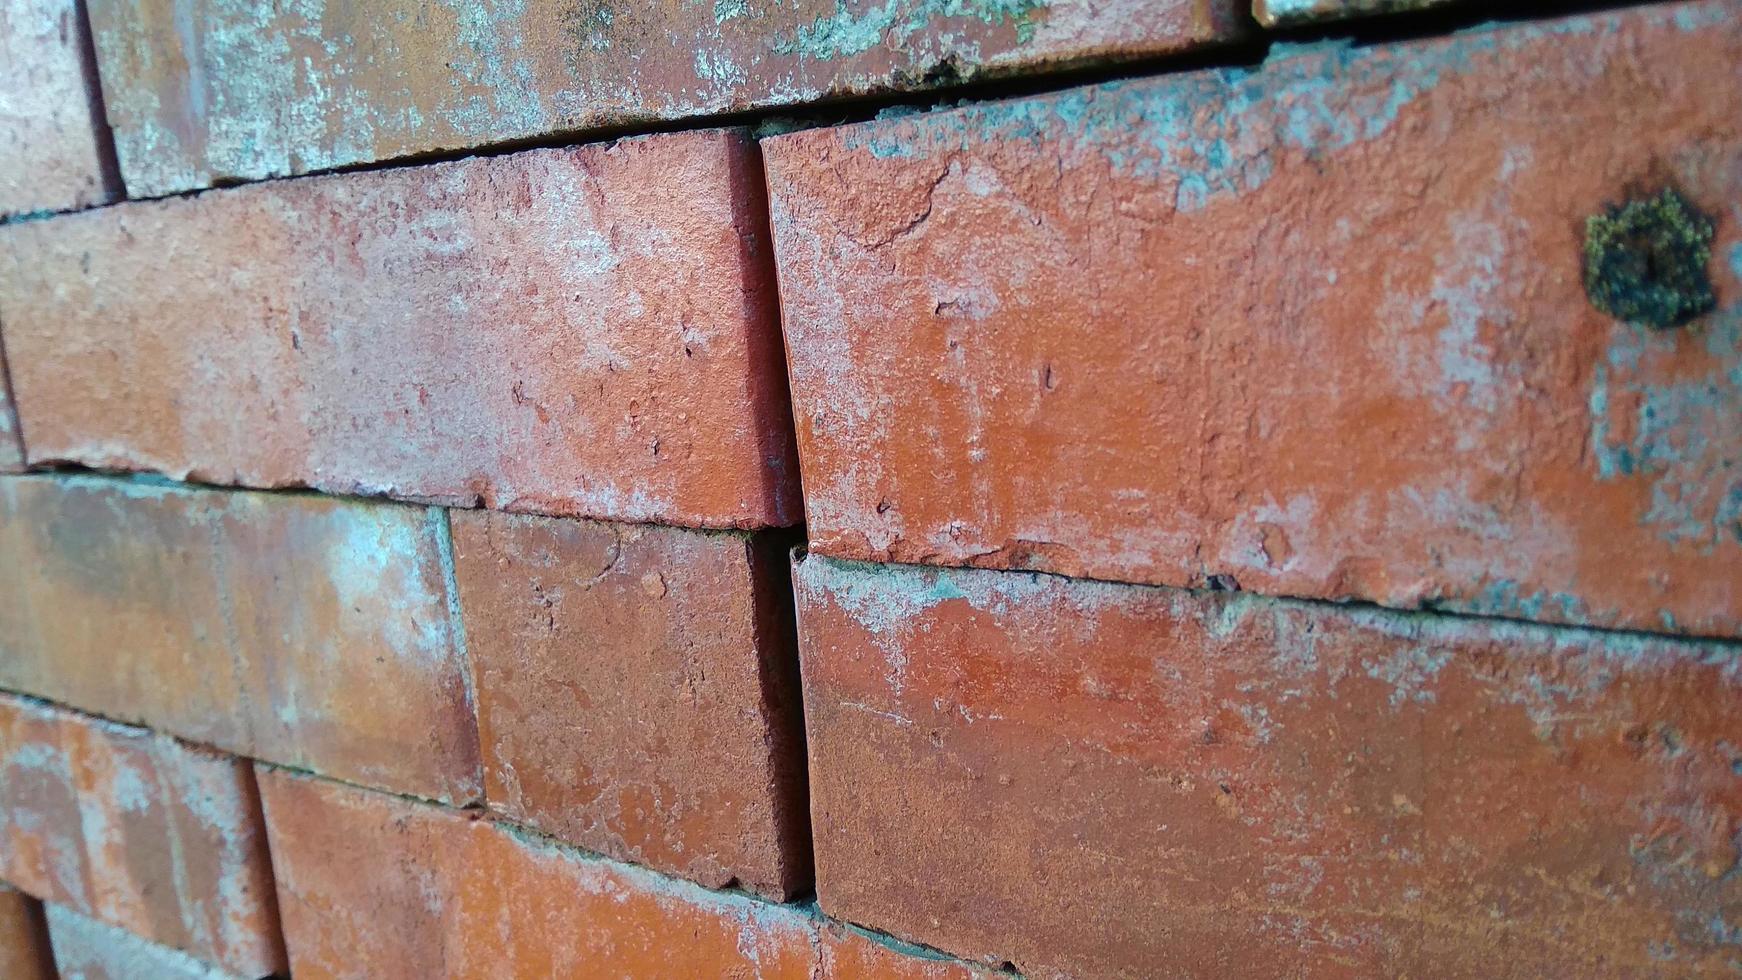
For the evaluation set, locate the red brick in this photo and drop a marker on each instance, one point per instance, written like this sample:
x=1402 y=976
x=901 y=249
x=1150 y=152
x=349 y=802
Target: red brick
x=86 y=949
x=1092 y=779
x=1287 y=13
x=637 y=693
x=380 y=886
x=231 y=89
x=24 y=949
x=167 y=839
x=587 y=331
x=50 y=157
x=305 y=630
x=1319 y=326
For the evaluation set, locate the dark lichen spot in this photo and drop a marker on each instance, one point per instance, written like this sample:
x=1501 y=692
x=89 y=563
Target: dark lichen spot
x=1223 y=583
x=1645 y=261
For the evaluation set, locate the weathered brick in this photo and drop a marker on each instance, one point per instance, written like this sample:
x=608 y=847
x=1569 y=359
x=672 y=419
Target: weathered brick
x=637 y=692
x=1097 y=779
x=233 y=90
x=309 y=631
x=587 y=331
x=50 y=116
x=24 y=949
x=86 y=949
x=1286 y=13
x=380 y=886
x=166 y=840
x=1319 y=327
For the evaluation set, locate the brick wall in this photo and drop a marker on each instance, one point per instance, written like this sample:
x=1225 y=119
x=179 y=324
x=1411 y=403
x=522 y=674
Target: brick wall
x=1059 y=488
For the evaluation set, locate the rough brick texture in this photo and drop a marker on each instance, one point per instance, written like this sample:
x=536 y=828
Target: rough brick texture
x=309 y=631
x=1319 y=327
x=586 y=331
x=637 y=693
x=50 y=157
x=378 y=886
x=158 y=838
x=1286 y=13
x=1093 y=779
x=86 y=949
x=24 y=949
x=231 y=89
x=577 y=331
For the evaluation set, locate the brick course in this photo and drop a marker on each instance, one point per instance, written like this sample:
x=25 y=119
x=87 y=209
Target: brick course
x=380 y=886
x=1318 y=328
x=587 y=331
x=306 y=630
x=1102 y=780
x=152 y=836
x=637 y=693
x=230 y=90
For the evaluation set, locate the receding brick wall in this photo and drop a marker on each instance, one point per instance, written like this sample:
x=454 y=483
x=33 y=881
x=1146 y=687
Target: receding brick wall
x=1060 y=488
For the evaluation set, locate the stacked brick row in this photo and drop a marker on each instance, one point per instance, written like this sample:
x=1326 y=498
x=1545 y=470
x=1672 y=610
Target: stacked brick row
x=1247 y=526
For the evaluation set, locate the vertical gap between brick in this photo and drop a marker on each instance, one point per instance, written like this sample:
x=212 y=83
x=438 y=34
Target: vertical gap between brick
x=9 y=404
x=102 y=133
x=783 y=701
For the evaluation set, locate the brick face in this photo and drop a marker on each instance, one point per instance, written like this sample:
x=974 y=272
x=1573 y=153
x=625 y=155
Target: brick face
x=378 y=886
x=158 y=838
x=228 y=89
x=86 y=949
x=50 y=159
x=587 y=331
x=1095 y=780
x=637 y=693
x=309 y=631
x=24 y=948
x=1319 y=327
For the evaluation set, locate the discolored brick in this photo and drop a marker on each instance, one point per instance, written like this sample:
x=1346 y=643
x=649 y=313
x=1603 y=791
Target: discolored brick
x=225 y=90
x=1317 y=328
x=586 y=331
x=166 y=840
x=637 y=693
x=1092 y=779
x=24 y=949
x=380 y=886
x=86 y=949
x=306 y=630
x=52 y=133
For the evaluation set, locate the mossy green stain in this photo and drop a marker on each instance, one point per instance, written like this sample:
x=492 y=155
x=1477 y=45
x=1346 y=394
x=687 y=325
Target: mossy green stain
x=1646 y=259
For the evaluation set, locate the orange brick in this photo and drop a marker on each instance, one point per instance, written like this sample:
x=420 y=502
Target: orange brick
x=86 y=949
x=380 y=886
x=587 y=331
x=637 y=693
x=233 y=90
x=51 y=157
x=305 y=630
x=168 y=839
x=24 y=949
x=1318 y=328
x=1093 y=780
